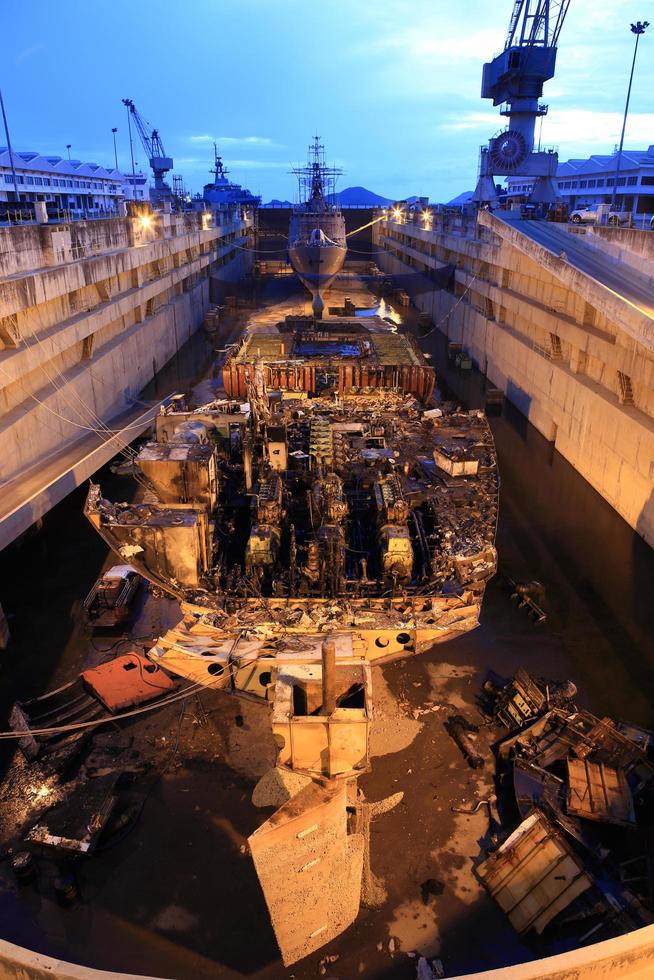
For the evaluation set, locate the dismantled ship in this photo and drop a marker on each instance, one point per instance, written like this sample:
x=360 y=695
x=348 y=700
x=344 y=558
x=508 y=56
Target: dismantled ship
x=324 y=516
x=325 y=490
x=316 y=234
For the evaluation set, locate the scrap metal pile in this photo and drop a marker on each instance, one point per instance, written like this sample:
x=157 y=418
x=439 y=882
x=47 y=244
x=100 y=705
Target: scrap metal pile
x=581 y=790
x=316 y=494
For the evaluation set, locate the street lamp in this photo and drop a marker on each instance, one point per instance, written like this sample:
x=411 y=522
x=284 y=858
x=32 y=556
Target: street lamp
x=114 y=130
x=638 y=28
x=68 y=146
x=11 y=153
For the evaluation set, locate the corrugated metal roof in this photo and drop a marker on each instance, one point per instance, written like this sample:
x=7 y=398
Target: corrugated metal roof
x=31 y=161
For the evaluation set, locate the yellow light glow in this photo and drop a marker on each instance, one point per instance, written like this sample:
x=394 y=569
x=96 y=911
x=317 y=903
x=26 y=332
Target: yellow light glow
x=40 y=791
x=397 y=212
x=145 y=220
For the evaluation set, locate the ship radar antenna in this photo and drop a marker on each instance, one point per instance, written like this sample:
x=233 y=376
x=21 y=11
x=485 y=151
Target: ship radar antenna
x=218 y=165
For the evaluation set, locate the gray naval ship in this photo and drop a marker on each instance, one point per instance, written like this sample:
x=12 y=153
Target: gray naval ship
x=316 y=234
x=224 y=191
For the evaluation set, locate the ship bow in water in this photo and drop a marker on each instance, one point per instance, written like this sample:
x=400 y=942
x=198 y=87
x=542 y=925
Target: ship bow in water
x=316 y=237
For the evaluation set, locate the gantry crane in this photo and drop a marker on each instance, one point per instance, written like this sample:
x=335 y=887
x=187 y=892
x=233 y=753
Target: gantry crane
x=514 y=80
x=154 y=149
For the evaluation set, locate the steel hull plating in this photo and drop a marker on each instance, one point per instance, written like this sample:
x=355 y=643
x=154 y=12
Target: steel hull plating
x=316 y=248
x=317 y=266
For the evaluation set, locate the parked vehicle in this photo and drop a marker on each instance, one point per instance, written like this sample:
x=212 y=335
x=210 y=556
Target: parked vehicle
x=588 y=215
x=110 y=600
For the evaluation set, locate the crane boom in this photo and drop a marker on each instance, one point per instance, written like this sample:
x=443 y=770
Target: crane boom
x=154 y=148
x=536 y=22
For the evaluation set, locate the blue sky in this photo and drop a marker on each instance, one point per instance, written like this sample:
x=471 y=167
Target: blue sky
x=392 y=86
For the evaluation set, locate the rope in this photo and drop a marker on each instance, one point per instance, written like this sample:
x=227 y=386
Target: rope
x=92 y=416
x=187 y=692
x=450 y=311
x=78 y=726
x=87 y=428
x=369 y=225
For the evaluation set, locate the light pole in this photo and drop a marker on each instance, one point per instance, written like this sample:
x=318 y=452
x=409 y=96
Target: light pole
x=11 y=155
x=68 y=146
x=114 y=130
x=127 y=103
x=638 y=28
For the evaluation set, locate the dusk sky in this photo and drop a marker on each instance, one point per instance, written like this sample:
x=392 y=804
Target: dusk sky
x=392 y=86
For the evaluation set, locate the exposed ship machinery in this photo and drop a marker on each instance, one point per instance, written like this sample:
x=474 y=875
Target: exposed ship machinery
x=316 y=234
x=326 y=494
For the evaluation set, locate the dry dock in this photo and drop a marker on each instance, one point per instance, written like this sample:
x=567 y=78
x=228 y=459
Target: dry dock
x=177 y=897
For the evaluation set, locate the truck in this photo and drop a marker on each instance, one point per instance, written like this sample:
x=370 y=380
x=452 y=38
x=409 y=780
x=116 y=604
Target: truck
x=594 y=215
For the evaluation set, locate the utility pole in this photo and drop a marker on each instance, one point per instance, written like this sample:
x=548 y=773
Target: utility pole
x=638 y=28
x=114 y=130
x=11 y=155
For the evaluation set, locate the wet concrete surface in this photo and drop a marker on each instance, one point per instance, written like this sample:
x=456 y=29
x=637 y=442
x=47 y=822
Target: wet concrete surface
x=177 y=896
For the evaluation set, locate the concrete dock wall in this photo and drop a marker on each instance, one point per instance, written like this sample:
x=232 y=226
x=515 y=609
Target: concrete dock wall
x=629 y=957
x=89 y=313
x=574 y=359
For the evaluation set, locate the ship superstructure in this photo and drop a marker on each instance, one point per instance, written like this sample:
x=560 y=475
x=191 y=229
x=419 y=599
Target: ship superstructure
x=224 y=191
x=316 y=235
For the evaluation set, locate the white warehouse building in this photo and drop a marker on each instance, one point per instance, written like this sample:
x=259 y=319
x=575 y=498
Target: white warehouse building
x=591 y=181
x=69 y=185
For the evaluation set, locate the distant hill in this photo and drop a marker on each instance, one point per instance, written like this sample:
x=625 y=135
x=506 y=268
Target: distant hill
x=464 y=198
x=347 y=198
x=360 y=196
x=277 y=204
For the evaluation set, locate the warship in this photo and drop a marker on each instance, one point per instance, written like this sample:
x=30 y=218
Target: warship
x=223 y=191
x=325 y=515
x=316 y=235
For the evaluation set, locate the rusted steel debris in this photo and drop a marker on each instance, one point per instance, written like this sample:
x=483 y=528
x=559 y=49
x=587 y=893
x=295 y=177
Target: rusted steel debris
x=307 y=489
x=573 y=777
x=323 y=516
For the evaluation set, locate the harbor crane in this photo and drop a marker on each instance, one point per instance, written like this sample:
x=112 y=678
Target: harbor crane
x=514 y=80
x=154 y=149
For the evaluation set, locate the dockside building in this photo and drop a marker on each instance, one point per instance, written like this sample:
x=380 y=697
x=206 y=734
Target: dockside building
x=591 y=180
x=70 y=185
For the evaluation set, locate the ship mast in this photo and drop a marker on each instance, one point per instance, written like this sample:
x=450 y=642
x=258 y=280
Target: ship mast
x=317 y=164
x=218 y=166
x=317 y=181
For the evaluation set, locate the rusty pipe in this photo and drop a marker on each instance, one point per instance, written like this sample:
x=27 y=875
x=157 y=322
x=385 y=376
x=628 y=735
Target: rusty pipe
x=328 y=677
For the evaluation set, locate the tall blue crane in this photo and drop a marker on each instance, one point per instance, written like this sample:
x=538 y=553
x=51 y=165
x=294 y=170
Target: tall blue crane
x=514 y=80
x=155 y=152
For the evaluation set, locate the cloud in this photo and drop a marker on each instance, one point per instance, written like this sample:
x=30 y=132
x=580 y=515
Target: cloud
x=234 y=140
x=571 y=126
x=258 y=164
x=28 y=52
